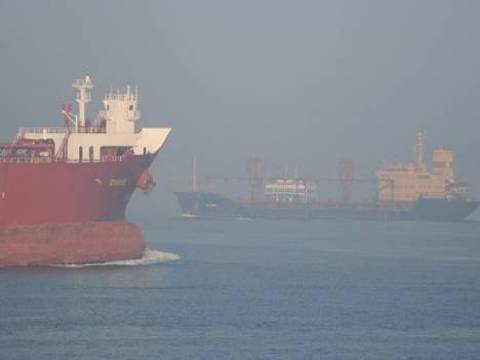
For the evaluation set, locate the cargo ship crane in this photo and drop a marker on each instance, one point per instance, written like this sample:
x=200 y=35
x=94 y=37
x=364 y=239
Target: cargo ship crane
x=345 y=173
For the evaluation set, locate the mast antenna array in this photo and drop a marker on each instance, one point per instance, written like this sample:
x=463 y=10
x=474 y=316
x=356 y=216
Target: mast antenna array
x=83 y=87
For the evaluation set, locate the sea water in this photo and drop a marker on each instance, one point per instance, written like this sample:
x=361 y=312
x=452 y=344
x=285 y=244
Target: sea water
x=257 y=290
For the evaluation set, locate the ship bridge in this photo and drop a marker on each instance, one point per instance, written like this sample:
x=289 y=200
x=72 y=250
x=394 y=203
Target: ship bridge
x=112 y=134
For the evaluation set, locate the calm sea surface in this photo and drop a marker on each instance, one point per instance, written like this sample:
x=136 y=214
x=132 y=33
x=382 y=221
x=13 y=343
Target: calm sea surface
x=258 y=290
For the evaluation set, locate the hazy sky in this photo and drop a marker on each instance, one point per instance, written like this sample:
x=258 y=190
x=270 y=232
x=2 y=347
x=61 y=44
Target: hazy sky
x=300 y=83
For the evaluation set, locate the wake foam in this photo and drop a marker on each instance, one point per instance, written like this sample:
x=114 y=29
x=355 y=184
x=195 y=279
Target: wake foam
x=149 y=257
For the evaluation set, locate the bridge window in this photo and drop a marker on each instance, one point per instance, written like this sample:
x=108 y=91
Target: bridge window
x=90 y=153
x=80 y=153
x=130 y=107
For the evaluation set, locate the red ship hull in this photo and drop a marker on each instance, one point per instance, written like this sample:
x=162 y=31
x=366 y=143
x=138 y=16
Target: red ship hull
x=80 y=243
x=61 y=192
x=69 y=213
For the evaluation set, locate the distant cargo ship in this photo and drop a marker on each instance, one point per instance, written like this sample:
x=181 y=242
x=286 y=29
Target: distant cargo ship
x=212 y=205
x=64 y=190
x=404 y=192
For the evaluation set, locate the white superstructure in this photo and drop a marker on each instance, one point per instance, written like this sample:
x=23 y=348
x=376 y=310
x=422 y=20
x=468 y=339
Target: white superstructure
x=113 y=128
x=289 y=190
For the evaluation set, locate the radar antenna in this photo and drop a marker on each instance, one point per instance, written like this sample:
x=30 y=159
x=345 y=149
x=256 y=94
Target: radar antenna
x=83 y=87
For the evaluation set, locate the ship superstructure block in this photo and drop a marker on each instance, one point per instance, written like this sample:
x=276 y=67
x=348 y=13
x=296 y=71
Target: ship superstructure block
x=405 y=183
x=289 y=190
x=114 y=127
x=121 y=112
x=442 y=163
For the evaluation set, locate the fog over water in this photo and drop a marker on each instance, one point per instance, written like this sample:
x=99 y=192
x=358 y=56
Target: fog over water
x=300 y=83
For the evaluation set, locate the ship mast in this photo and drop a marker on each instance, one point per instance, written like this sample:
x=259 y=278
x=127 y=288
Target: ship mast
x=83 y=86
x=419 y=148
x=194 y=174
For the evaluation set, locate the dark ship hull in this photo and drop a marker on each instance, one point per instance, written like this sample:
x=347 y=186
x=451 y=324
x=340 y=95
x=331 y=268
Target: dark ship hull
x=212 y=205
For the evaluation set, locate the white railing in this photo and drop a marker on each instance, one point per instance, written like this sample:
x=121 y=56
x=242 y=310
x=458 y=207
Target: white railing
x=60 y=130
x=129 y=96
x=37 y=160
x=39 y=130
